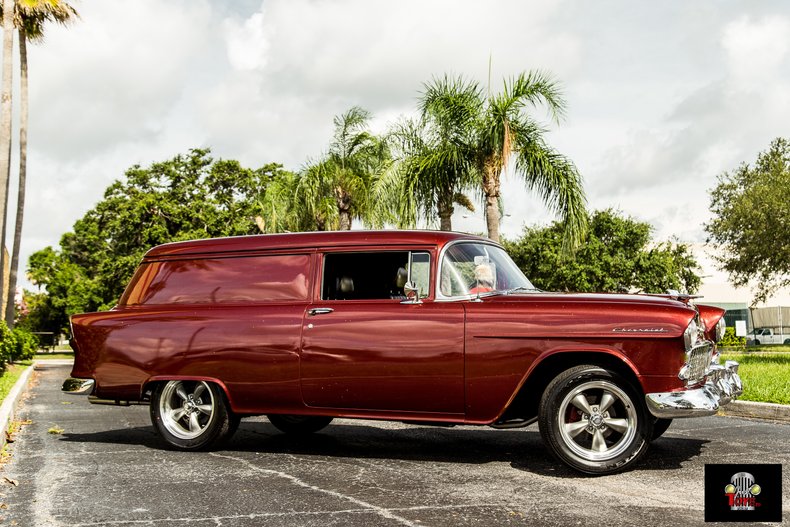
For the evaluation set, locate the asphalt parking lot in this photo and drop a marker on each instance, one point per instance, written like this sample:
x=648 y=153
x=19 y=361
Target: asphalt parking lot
x=107 y=467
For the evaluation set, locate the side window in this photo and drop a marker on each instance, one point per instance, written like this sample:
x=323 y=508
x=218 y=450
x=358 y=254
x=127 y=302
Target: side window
x=374 y=275
x=246 y=279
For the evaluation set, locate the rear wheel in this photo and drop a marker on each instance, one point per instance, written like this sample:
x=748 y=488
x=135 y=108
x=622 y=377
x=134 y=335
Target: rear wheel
x=594 y=420
x=299 y=424
x=192 y=415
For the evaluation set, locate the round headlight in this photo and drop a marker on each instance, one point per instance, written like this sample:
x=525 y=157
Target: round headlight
x=691 y=335
x=721 y=327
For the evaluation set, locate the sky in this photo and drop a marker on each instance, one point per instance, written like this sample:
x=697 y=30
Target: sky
x=662 y=96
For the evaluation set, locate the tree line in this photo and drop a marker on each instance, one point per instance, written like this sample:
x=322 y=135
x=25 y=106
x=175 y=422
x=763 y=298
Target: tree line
x=421 y=168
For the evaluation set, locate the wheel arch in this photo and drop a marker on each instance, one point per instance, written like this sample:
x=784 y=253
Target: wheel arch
x=151 y=382
x=524 y=402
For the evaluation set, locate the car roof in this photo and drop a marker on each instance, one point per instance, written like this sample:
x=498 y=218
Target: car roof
x=303 y=240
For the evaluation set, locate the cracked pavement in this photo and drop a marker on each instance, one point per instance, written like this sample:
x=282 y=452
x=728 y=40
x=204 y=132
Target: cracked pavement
x=108 y=467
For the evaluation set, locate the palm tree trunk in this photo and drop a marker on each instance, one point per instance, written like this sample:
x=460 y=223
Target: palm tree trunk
x=343 y=199
x=10 y=309
x=491 y=181
x=445 y=222
x=5 y=129
x=344 y=220
x=445 y=212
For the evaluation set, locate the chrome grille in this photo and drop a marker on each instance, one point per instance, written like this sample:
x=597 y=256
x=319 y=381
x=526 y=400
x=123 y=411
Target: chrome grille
x=698 y=360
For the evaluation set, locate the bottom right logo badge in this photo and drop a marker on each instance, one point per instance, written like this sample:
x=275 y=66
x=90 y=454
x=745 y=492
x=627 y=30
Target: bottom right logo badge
x=743 y=493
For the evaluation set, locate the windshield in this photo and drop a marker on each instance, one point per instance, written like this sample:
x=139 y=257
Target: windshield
x=477 y=268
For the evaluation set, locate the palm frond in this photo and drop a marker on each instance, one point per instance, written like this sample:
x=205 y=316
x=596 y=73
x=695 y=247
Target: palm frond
x=556 y=179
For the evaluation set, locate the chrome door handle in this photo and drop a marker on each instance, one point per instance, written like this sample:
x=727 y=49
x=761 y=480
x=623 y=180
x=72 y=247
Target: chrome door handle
x=319 y=311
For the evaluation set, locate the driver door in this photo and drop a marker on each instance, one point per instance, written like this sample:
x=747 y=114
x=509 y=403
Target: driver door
x=366 y=347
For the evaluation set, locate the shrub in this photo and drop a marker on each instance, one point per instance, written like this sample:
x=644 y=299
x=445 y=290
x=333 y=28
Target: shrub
x=7 y=345
x=15 y=345
x=26 y=345
x=731 y=341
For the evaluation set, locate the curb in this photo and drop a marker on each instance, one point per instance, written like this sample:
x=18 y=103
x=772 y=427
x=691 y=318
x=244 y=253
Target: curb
x=775 y=412
x=8 y=408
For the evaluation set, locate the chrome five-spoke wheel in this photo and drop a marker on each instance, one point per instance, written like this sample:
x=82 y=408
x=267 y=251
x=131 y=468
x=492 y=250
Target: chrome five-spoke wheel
x=598 y=420
x=192 y=415
x=186 y=408
x=594 y=420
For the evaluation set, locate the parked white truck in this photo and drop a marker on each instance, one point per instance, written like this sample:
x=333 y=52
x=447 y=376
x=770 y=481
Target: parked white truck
x=760 y=336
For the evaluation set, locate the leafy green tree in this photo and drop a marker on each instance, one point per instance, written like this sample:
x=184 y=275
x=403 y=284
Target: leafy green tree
x=346 y=176
x=40 y=316
x=435 y=155
x=190 y=196
x=751 y=221
x=618 y=255
x=29 y=19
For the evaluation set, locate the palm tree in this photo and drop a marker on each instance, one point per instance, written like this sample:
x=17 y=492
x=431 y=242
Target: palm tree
x=346 y=175
x=507 y=131
x=286 y=206
x=29 y=19
x=436 y=162
x=5 y=130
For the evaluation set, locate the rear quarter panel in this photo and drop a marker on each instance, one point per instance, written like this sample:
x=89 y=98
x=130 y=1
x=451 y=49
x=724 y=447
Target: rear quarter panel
x=252 y=350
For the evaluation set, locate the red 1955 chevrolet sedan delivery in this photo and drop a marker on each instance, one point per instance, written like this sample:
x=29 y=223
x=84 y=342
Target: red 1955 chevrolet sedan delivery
x=414 y=326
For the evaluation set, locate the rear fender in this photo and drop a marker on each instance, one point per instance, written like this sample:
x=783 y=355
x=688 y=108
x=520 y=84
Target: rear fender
x=148 y=384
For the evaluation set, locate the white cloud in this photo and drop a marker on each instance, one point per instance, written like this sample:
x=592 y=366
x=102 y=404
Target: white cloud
x=247 y=42
x=756 y=49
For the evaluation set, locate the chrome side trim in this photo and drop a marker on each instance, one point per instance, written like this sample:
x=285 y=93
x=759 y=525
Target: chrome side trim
x=723 y=385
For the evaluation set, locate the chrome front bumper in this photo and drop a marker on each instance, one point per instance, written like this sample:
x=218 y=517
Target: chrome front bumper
x=723 y=385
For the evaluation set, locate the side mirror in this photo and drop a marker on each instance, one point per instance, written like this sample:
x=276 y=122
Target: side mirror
x=412 y=293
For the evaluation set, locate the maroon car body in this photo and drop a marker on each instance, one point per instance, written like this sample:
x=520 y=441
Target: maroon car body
x=297 y=326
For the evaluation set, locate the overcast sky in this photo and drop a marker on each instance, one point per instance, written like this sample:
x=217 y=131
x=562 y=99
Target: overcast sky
x=662 y=96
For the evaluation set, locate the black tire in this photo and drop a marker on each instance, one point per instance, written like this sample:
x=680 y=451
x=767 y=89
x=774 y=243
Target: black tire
x=299 y=424
x=192 y=415
x=659 y=427
x=594 y=420
x=786 y=342
x=756 y=342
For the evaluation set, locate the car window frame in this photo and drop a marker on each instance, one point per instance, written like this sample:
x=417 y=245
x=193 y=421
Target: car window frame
x=440 y=297
x=320 y=265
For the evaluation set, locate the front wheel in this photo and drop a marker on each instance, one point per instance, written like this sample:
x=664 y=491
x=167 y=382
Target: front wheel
x=299 y=424
x=192 y=415
x=594 y=420
x=659 y=427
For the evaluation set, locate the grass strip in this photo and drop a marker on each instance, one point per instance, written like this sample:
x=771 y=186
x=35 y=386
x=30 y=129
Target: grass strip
x=766 y=377
x=10 y=376
x=45 y=356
